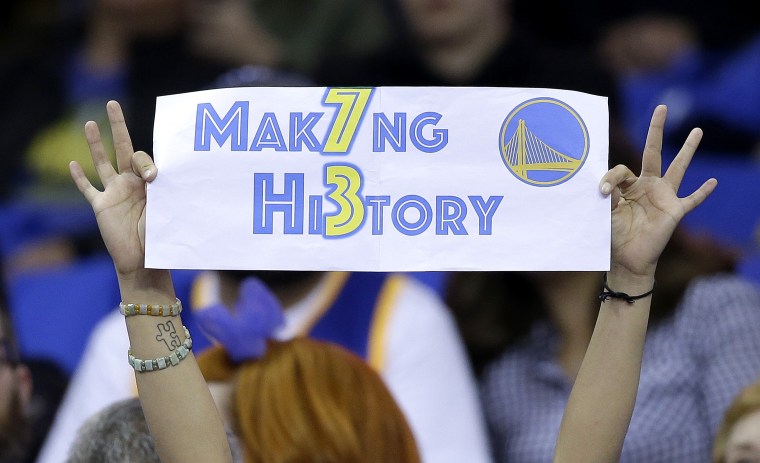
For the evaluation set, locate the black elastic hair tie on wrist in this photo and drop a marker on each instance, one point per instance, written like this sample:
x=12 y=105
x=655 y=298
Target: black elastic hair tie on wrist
x=609 y=293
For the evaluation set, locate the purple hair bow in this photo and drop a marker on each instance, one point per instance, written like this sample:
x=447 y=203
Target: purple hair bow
x=243 y=331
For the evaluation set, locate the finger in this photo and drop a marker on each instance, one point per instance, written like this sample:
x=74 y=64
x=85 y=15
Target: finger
x=142 y=165
x=100 y=159
x=121 y=141
x=695 y=199
x=651 y=163
x=677 y=169
x=619 y=176
x=82 y=182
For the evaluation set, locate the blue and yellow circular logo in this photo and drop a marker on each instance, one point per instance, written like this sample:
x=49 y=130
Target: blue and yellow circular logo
x=543 y=142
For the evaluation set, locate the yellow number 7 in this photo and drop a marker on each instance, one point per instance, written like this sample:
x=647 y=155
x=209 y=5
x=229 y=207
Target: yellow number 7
x=351 y=103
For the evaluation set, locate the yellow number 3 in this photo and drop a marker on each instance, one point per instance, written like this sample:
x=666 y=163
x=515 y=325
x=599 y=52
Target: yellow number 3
x=347 y=182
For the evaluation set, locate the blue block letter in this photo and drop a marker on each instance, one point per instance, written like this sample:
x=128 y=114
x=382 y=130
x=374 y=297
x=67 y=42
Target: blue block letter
x=376 y=204
x=301 y=131
x=234 y=125
x=266 y=202
x=428 y=145
x=269 y=135
x=423 y=220
x=485 y=210
x=383 y=130
x=450 y=211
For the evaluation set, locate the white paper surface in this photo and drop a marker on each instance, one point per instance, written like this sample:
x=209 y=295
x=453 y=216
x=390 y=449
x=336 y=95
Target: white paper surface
x=421 y=165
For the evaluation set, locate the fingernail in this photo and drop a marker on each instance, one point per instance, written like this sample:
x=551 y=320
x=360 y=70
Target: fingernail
x=606 y=188
x=147 y=173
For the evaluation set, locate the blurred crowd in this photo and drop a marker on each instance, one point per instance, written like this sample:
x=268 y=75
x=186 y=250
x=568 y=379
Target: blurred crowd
x=520 y=336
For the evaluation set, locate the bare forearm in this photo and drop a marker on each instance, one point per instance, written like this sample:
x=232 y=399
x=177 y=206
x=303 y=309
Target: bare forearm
x=178 y=406
x=645 y=211
x=599 y=409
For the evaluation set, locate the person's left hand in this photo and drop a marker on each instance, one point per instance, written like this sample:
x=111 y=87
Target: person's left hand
x=646 y=209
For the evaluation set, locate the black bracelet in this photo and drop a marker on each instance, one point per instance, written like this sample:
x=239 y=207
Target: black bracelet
x=609 y=293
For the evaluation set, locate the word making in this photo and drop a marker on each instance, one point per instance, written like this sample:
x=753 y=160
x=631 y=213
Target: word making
x=220 y=127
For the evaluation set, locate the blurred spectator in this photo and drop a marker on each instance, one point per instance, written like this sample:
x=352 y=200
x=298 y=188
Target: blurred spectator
x=659 y=59
x=647 y=43
x=300 y=399
x=473 y=43
x=466 y=42
x=375 y=315
x=292 y=35
x=49 y=382
x=15 y=396
x=30 y=391
x=99 y=50
x=583 y=23
x=114 y=49
x=738 y=439
x=25 y=31
x=698 y=58
x=701 y=349
x=120 y=434
x=16 y=393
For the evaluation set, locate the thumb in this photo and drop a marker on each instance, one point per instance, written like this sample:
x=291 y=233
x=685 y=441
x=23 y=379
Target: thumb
x=143 y=166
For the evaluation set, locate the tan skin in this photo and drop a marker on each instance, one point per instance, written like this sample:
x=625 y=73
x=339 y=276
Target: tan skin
x=645 y=213
x=178 y=406
x=180 y=410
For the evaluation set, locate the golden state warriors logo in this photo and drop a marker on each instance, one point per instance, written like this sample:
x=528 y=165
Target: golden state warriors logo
x=543 y=142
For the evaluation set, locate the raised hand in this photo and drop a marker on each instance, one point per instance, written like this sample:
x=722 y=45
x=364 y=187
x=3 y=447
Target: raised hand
x=645 y=212
x=178 y=397
x=120 y=207
x=646 y=209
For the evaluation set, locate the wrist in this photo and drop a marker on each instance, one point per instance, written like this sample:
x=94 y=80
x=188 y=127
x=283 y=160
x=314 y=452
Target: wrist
x=623 y=280
x=146 y=286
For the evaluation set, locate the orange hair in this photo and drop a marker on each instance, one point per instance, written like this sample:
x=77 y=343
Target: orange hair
x=746 y=403
x=308 y=400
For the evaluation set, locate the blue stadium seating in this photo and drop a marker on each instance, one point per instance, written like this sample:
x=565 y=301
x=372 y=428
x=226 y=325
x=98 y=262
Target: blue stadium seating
x=732 y=213
x=54 y=310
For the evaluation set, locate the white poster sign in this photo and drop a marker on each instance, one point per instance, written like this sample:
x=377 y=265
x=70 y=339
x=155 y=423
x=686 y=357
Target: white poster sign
x=379 y=179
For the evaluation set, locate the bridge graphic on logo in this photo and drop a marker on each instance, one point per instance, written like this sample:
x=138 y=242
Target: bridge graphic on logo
x=525 y=151
x=552 y=157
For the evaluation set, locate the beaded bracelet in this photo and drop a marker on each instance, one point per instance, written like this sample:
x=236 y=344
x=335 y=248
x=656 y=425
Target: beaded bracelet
x=161 y=363
x=609 y=293
x=160 y=310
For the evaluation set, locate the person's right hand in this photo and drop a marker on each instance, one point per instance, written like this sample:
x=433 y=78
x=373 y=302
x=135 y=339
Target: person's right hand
x=120 y=207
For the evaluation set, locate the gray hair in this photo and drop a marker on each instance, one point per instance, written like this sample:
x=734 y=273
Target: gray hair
x=120 y=434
